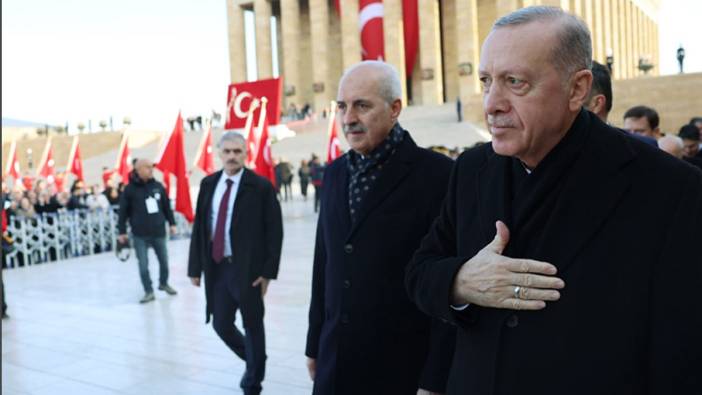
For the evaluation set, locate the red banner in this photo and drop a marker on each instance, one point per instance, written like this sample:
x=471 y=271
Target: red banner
x=370 y=20
x=241 y=96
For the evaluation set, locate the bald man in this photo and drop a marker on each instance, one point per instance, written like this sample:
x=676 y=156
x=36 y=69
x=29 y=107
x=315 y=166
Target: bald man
x=672 y=145
x=145 y=203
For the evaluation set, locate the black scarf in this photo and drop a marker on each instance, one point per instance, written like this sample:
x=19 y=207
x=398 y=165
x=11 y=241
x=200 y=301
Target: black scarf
x=364 y=170
x=532 y=198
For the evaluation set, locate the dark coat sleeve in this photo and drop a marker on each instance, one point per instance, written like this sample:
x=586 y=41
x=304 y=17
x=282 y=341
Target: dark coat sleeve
x=316 y=314
x=273 y=222
x=675 y=359
x=430 y=274
x=442 y=343
x=166 y=206
x=124 y=210
x=199 y=233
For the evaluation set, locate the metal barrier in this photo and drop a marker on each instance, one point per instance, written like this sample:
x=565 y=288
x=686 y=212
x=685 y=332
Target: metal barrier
x=66 y=234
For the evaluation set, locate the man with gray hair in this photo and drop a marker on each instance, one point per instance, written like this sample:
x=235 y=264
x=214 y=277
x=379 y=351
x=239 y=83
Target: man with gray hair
x=365 y=336
x=551 y=253
x=236 y=242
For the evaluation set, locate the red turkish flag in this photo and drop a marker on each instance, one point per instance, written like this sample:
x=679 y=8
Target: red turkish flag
x=370 y=19
x=241 y=96
x=123 y=167
x=410 y=22
x=264 y=159
x=334 y=146
x=46 y=164
x=13 y=167
x=75 y=163
x=172 y=160
x=58 y=180
x=205 y=156
x=251 y=141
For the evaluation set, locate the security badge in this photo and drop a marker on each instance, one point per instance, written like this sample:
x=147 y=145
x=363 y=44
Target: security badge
x=152 y=204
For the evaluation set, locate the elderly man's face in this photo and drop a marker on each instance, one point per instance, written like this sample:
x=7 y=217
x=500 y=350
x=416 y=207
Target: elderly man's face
x=528 y=104
x=366 y=117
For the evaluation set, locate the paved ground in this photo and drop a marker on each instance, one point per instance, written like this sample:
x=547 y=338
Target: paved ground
x=76 y=327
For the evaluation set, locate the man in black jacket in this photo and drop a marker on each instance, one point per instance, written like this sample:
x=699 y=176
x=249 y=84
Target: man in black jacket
x=147 y=206
x=236 y=242
x=551 y=252
x=365 y=336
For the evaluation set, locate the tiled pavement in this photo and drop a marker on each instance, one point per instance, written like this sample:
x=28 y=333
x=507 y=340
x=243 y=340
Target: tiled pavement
x=76 y=326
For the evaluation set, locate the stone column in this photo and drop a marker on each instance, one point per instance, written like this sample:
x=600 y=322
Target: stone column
x=319 y=21
x=350 y=34
x=616 y=39
x=237 y=42
x=468 y=52
x=598 y=50
x=504 y=7
x=607 y=30
x=290 y=27
x=430 y=53
x=631 y=62
x=450 y=46
x=262 y=11
x=394 y=40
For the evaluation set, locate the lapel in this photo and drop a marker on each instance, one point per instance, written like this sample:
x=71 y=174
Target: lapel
x=493 y=187
x=247 y=184
x=208 y=189
x=340 y=197
x=597 y=183
x=395 y=170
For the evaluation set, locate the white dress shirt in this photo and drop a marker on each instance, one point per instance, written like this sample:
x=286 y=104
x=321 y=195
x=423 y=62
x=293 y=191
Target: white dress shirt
x=217 y=199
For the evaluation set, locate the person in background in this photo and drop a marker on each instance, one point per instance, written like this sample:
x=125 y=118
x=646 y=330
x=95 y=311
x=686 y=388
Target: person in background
x=303 y=173
x=642 y=120
x=672 y=145
x=236 y=242
x=145 y=204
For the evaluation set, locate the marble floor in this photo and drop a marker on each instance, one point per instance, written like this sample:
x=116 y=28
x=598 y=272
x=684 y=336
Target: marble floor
x=76 y=326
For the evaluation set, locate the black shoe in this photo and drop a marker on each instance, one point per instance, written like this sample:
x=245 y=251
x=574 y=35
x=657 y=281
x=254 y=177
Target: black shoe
x=148 y=297
x=168 y=289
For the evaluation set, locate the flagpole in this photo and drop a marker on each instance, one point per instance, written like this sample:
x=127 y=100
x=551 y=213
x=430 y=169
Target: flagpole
x=72 y=153
x=13 y=154
x=44 y=156
x=122 y=146
x=332 y=118
x=201 y=145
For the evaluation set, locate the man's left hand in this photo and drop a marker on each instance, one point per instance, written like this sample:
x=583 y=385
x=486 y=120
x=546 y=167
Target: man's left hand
x=263 y=282
x=426 y=392
x=174 y=230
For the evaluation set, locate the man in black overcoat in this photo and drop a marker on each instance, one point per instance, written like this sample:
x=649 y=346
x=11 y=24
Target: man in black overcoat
x=365 y=336
x=562 y=251
x=236 y=241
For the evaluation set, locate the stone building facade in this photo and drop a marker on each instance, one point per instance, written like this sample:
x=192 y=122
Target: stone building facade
x=315 y=44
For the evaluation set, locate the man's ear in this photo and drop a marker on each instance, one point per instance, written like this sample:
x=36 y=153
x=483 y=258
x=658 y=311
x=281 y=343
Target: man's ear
x=395 y=109
x=579 y=89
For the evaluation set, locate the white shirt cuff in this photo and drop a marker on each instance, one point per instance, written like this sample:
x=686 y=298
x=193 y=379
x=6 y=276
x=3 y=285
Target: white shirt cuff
x=460 y=307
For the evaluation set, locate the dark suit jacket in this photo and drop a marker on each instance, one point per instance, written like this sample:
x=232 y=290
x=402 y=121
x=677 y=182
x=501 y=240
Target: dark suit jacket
x=365 y=334
x=256 y=234
x=624 y=235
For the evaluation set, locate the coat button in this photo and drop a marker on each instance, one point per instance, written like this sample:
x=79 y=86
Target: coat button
x=347 y=284
x=348 y=248
x=512 y=321
x=344 y=318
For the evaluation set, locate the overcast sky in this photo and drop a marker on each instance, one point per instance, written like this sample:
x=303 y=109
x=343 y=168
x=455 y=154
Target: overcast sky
x=79 y=60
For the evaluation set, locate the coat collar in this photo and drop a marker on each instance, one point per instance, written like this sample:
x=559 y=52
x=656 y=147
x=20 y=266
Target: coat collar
x=397 y=168
x=595 y=185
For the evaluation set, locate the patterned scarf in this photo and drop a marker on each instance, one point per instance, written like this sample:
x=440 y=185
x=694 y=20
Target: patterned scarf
x=364 y=170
